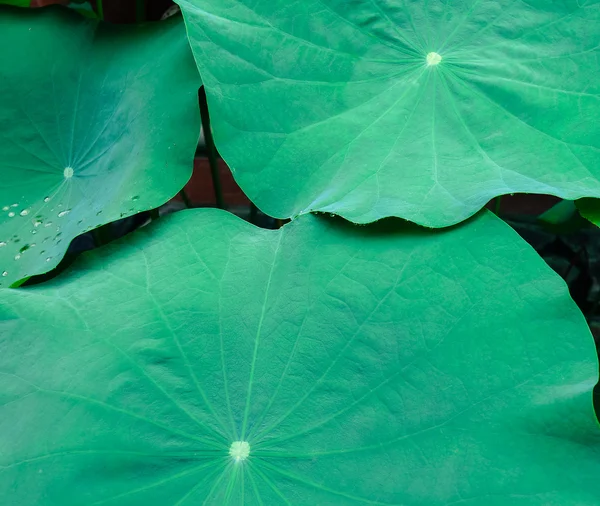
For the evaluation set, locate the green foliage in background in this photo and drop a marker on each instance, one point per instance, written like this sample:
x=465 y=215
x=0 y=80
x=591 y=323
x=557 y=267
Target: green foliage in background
x=375 y=365
x=18 y=3
x=99 y=122
x=422 y=110
x=590 y=209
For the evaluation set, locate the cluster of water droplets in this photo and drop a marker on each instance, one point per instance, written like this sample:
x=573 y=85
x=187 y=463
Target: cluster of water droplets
x=39 y=222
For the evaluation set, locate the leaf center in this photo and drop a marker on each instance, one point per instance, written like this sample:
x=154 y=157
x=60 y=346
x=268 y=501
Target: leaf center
x=68 y=172
x=433 y=58
x=239 y=450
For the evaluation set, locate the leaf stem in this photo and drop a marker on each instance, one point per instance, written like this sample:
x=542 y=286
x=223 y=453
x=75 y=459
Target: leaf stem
x=100 y=9
x=211 y=149
x=498 y=204
x=186 y=199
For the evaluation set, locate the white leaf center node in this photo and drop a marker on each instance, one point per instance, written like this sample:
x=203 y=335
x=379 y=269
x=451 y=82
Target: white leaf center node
x=433 y=58
x=239 y=450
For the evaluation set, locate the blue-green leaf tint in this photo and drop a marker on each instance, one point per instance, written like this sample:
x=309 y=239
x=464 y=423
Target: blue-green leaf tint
x=419 y=109
x=359 y=365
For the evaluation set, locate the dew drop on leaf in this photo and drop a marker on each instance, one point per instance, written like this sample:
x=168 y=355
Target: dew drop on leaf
x=17 y=256
x=46 y=199
x=63 y=213
x=24 y=212
x=11 y=214
x=2 y=243
x=5 y=273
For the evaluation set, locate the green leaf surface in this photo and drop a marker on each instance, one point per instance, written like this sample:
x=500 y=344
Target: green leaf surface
x=590 y=210
x=361 y=365
x=345 y=106
x=98 y=122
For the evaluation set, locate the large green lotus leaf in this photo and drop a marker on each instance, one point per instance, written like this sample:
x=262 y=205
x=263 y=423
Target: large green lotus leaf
x=372 y=365
x=98 y=122
x=418 y=109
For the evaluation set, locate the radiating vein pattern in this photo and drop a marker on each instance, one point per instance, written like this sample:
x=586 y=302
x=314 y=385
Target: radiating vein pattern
x=322 y=363
x=344 y=113
x=90 y=133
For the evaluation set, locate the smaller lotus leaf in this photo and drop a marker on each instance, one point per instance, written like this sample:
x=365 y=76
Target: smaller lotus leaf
x=98 y=122
x=205 y=361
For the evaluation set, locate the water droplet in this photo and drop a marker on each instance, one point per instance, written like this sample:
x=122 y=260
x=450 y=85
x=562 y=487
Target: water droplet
x=5 y=208
x=46 y=199
x=34 y=232
x=64 y=213
x=99 y=213
x=68 y=172
x=17 y=256
x=11 y=214
x=48 y=259
x=2 y=243
x=135 y=197
x=5 y=273
x=24 y=212
x=37 y=223
x=24 y=248
x=49 y=224
x=14 y=205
